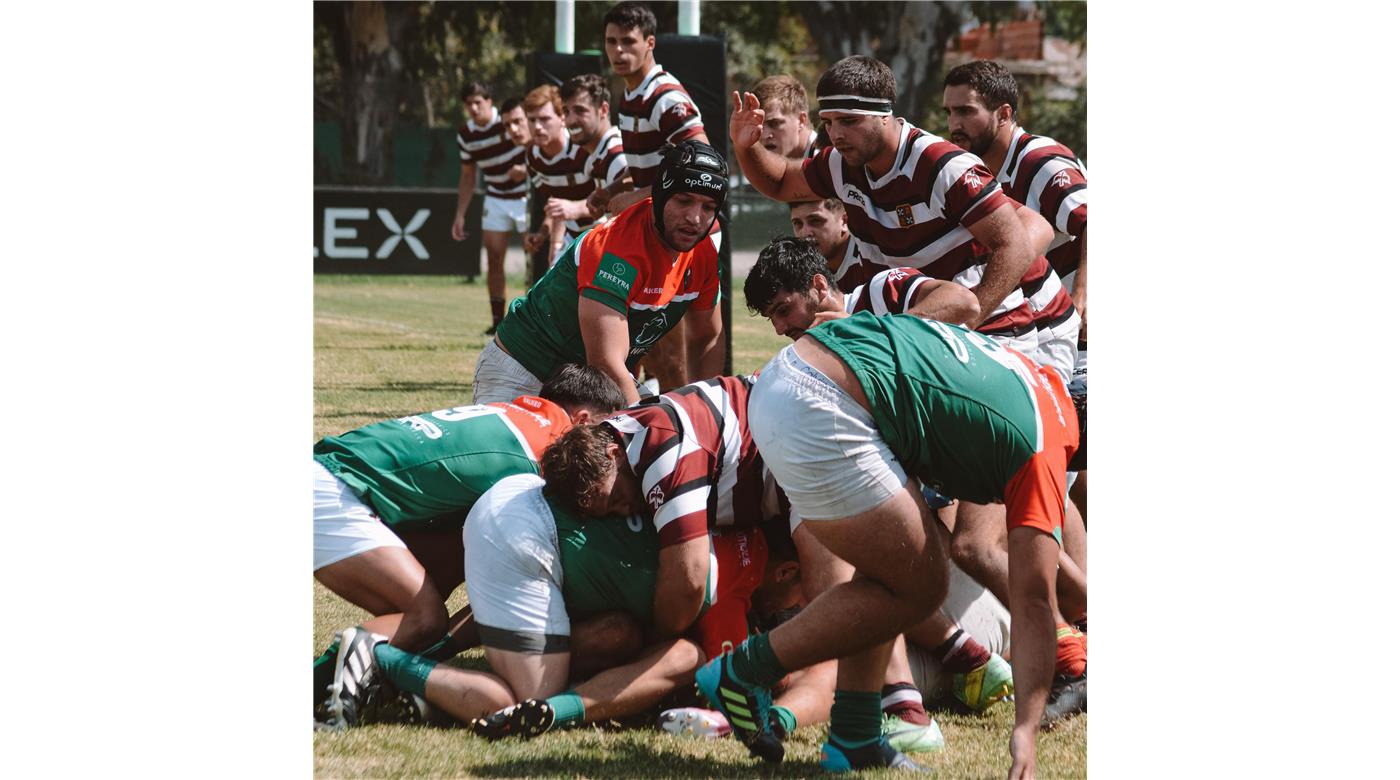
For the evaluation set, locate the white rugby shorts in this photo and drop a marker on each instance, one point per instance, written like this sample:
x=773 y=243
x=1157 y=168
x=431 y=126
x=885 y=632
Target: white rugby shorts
x=818 y=441
x=344 y=525
x=514 y=573
x=500 y=378
x=503 y=215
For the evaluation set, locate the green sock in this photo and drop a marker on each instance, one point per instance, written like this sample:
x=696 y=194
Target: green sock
x=440 y=651
x=855 y=718
x=568 y=709
x=404 y=669
x=755 y=664
x=787 y=721
x=323 y=670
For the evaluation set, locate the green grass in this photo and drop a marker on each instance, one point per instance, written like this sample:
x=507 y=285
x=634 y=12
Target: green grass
x=387 y=346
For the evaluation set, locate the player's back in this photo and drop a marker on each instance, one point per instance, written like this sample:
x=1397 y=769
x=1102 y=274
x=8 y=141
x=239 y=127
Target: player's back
x=954 y=406
x=415 y=469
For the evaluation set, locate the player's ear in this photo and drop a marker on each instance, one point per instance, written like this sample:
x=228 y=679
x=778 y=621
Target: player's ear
x=787 y=571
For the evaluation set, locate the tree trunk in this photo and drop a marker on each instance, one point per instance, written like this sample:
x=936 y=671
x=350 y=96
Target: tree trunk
x=370 y=38
x=910 y=37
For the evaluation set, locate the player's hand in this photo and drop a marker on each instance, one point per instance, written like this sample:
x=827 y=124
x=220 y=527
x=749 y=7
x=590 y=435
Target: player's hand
x=746 y=123
x=597 y=202
x=459 y=228
x=562 y=210
x=828 y=316
x=517 y=173
x=620 y=202
x=1022 y=754
x=532 y=241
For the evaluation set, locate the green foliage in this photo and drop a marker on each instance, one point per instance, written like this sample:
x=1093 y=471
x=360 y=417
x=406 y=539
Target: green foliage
x=1068 y=19
x=1063 y=120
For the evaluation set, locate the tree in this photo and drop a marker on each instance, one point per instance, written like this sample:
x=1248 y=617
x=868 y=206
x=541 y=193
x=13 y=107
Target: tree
x=910 y=37
x=368 y=40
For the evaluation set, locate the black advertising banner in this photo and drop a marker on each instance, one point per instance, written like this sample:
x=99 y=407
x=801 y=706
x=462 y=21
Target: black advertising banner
x=370 y=230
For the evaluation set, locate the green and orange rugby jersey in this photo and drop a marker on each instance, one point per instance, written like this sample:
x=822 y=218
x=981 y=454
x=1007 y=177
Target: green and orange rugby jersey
x=624 y=266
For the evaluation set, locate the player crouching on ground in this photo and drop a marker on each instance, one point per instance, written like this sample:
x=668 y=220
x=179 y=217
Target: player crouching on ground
x=414 y=478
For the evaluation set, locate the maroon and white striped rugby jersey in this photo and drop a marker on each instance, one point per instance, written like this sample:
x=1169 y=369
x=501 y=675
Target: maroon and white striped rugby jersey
x=659 y=111
x=493 y=153
x=565 y=175
x=918 y=212
x=698 y=465
x=1047 y=176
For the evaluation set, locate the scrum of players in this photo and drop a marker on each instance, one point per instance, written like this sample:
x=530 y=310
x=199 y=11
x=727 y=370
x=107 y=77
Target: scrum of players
x=840 y=538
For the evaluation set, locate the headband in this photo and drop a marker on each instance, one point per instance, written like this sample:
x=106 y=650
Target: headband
x=854 y=104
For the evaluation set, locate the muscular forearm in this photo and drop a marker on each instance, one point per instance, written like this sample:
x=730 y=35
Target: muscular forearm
x=624 y=379
x=763 y=169
x=704 y=357
x=946 y=301
x=1005 y=268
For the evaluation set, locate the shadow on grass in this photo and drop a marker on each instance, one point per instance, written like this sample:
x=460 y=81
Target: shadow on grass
x=399 y=387
x=639 y=761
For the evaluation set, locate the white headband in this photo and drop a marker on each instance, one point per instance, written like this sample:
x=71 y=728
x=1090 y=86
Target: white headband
x=853 y=104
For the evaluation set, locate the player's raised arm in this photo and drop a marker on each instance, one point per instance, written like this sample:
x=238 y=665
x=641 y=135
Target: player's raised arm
x=773 y=175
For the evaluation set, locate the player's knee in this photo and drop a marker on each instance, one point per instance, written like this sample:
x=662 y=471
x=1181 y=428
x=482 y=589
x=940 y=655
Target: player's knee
x=422 y=625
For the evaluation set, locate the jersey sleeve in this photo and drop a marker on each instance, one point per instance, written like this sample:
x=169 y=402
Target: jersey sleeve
x=888 y=292
x=677 y=116
x=462 y=149
x=603 y=276
x=817 y=171
x=675 y=477
x=613 y=164
x=1063 y=198
x=539 y=422
x=968 y=192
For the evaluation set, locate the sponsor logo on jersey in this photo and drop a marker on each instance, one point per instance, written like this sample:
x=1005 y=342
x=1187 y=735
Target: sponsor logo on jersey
x=744 y=559
x=1061 y=179
x=853 y=195
x=615 y=275
x=422 y=426
x=905 y=212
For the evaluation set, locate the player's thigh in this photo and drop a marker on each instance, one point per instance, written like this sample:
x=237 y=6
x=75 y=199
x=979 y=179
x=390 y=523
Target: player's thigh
x=495 y=242
x=821 y=568
x=356 y=555
x=894 y=544
x=440 y=554
x=514 y=584
x=530 y=675
x=382 y=581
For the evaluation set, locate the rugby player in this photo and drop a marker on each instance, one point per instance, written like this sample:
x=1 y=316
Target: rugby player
x=558 y=167
x=620 y=287
x=586 y=118
x=850 y=419
x=787 y=128
x=688 y=463
x=483 y=142
x=655 y=110
x=980 y=100
x=850 y=260
x=533 y=570
x=417 y=476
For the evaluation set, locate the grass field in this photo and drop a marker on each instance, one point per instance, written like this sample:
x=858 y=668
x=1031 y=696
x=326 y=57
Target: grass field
x=388 y=346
